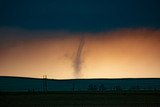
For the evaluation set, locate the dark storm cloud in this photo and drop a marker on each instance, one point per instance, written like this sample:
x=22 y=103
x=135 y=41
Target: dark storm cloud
x=79 y=15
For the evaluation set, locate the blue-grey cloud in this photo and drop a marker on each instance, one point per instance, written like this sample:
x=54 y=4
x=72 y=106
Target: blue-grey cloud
x=81 y=15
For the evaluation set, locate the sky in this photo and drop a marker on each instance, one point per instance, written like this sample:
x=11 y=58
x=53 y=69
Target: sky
x=66 y=39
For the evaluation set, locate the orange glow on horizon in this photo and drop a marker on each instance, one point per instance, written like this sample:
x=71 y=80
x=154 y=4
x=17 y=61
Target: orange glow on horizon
x=128 y=53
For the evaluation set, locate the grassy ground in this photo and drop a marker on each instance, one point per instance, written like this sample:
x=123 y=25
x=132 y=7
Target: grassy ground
x=81 y=99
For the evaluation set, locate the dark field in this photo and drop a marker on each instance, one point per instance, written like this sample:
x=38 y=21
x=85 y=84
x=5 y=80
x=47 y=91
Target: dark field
x=81 y=99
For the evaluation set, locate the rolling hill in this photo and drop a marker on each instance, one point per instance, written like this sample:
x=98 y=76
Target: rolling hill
x=14 y=84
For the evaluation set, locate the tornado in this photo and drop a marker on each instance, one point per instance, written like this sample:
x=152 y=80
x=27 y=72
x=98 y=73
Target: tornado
x=77 y=63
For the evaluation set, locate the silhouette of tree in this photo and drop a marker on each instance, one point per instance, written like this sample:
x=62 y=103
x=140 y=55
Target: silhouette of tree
x=92 y=87
x=118 y=88
x=102 y=87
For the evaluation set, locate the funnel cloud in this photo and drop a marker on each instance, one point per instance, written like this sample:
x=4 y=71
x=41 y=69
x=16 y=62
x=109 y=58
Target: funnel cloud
x=77 y=63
